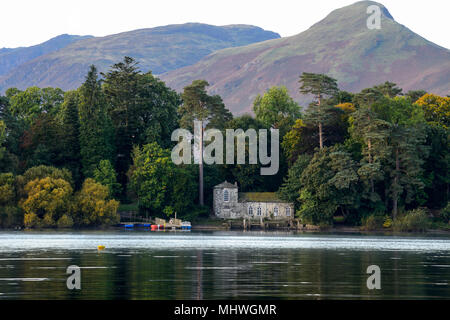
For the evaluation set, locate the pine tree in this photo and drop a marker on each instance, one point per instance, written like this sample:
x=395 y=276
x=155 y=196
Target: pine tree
x=321 y=86
x=408 y=157
x=199 y=106
x=389 y=89
x=373 y=133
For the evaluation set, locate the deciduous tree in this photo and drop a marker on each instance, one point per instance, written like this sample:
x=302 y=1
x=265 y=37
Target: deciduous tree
x=93 y=207
x=161 y=186
x=436 y=108
x=105 y=174
x=276 y=109
x=47 y=200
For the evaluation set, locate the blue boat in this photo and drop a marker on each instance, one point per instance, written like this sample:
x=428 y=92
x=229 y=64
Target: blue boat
x=186 y=225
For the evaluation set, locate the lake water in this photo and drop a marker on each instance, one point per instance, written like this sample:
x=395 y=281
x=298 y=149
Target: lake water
x=222 y=265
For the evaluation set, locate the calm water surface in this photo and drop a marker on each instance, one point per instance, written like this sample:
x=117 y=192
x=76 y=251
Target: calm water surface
x=222 y=265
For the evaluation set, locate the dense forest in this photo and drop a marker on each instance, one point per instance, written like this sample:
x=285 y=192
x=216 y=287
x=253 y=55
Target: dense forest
x=377 y=158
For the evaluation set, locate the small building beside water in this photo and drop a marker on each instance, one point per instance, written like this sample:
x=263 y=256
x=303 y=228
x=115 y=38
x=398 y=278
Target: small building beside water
x=229 y=203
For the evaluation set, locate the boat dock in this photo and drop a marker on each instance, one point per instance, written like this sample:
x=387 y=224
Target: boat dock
x=156 y=224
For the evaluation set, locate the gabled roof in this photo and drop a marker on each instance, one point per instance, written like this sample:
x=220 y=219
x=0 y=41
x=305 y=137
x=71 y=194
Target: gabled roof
x=225 y=184
x=259 y=197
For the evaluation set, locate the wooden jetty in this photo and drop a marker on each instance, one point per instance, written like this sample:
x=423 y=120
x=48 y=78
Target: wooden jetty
x=260 y=224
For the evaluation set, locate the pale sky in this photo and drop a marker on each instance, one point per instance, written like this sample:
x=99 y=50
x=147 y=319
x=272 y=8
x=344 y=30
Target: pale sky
x=29 y=22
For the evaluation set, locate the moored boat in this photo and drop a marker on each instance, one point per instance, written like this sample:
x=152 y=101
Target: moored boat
x=186 y=225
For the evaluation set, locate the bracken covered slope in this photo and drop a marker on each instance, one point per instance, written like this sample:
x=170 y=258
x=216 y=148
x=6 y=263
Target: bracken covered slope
x=158 y=49
x=340 y=45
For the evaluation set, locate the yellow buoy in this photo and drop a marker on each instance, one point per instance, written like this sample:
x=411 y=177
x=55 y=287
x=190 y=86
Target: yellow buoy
x=101 y=247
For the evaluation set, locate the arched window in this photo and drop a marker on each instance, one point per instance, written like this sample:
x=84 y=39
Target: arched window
x=250 y=211
x=288 y=212
x=226 y=196
x=275 y=211
x=259 y=211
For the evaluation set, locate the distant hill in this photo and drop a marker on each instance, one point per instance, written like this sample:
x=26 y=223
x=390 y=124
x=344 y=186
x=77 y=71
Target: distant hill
x=158 y=49
x=10 y=58
x=340 y=45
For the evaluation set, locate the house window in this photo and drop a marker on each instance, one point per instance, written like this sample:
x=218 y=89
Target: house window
x=259 y=211
x=288 y=212
x=275 y=211
x=250 y=211
x=226 y=196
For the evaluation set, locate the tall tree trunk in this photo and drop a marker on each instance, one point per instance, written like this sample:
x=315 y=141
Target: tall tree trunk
x=369 y=147
x=320 y=127
x=394 y=206
x=320 y=136
x=372 y=184
x=200 y=170
x=395 y=192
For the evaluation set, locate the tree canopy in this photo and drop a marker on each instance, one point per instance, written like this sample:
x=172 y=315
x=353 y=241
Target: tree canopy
x=66 y=158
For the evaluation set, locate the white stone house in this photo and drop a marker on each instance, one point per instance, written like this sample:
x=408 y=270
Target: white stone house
x=229 y=203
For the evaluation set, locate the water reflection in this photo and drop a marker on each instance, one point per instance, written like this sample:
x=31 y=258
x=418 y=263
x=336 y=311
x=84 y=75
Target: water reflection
x=140 y=265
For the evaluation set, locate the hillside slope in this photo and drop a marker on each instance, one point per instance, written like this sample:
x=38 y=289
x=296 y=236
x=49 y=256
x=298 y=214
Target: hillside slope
x=340 y=45
x=158 y=49
x=10 y=58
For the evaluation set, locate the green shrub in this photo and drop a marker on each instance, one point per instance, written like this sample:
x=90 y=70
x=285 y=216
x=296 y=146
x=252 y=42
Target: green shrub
x=338 y=219
x=387 y=222
x=127 y=207
x=10 y=216
x=445 y=214
x=415 y=220
x=324 y=225
x=65 y=222
x=195 y=212
x=372 y=222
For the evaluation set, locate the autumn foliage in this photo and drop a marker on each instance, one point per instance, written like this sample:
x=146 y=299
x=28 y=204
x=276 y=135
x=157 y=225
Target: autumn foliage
x=51 y=202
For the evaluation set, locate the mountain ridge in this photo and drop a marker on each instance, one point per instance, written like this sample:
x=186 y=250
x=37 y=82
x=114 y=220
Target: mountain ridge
x=158 y=49
x=339 y=45
x=241 y=61
x=13 y=57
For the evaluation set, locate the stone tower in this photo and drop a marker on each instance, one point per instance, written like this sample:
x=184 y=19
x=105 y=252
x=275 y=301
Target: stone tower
x=226 y=204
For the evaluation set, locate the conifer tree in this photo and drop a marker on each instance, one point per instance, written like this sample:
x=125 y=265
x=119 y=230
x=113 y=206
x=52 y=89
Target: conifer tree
x=199 y=106
x=96 y=131
x=71 y=135
x=321 y=86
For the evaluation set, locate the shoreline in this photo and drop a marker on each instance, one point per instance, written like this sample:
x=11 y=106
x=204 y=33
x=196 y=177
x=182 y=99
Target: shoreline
x=217 y=227
x=341 y=229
